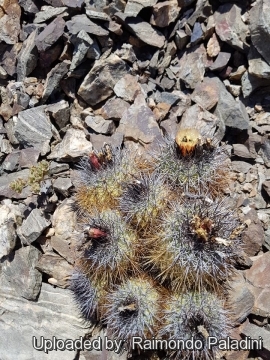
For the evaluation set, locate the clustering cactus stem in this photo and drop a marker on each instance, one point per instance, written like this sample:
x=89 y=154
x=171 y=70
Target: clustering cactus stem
x=157 y=243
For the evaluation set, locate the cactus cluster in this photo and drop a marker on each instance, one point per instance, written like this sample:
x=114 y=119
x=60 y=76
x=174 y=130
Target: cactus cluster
x=157 y=242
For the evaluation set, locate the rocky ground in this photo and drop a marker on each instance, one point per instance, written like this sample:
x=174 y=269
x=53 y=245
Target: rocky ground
x=76 y=74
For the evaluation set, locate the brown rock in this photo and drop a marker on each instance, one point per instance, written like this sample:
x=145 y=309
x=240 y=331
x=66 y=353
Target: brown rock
x=127 y=88
x=221 y=61
x=206 y=94
x=253 y=236
x=242 y=151
x=161 y=111
x=113 y=109
x=254 y=332
x=50 y=34
x=213 y=47
x=10 y=23
x=164 y=13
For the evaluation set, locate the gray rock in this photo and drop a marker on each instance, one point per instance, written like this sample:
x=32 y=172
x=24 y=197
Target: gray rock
x=10 y=216
x=133 y=7
x=3 y=73
x=28 y=157
x=206 y=93
x=7 y=179
x=241 y=166
x=230 y=26
x=197 y=34
x=82 y=22
x=53 y=314
x=116 y=140
x=260 y=27
x=99 y=83
x=139 y=123
x=113 y=109
x=257 y=66
x=10 y=23
x=32 y=227
x=49 y=12
x=192 y=66
x=181 y=39
x=50 y=34
x=84 y=46
x=29 y=6
x=56 y=267
x=69 y=3
x=242 y=151
x=33 y=129
x=60 y=112
x=93 y=13
x=164 y=13
x=11 y=161
x=203 y=10
x=73 y=146
x=62 y=185
x=142 y=30
x=221 y=61
x=254 y=332
x=250 y=83
x=53 y=79
x=231 y=112
x=100 y=125
x=20 y=271
x=56 y=168
x=127 y=88
x=253 y=236
x=266 y=187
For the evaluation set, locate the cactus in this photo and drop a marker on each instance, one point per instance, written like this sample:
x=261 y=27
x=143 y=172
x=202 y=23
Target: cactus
x=158 y=240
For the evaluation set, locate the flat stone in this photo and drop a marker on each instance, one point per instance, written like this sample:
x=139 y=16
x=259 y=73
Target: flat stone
x=260 y=28
x=241 y=166
x=196 y=117
x=69 y=3
x=254 y=332
x=33 y=129
x=98 y=140
x=206 y=93
x=99 y=83
x=230 y=26
x=73 y=146
x=133 y=7
x=49 y=12
x=127 y=88
x=114 y=109
x=139 y=123
x=197 y=34
x=231 y=112
x=29 y=6
x=54 y=313
x=62 y=185
x=57 y=267
x=221 y=61
x=253 y=236
x=32 y=227
x=50 y=34
x=11 y=161
x=238 y=73
x=100 y=125
x=56 y=168
x=213 y=47
x=257 y=66
x=250 y=83
x=93 y=13
x=10 y=23
x=181 y=39
x=60 y=112
x=192 y=66
x=19 y=270
x=164 y=13
x=28 y=157
x=266 y=187
x=53 y=79
x=242 y=151
x=144 y=31
x=82 y=22
x=10 y=216
x=5 y=181
x=161 y=110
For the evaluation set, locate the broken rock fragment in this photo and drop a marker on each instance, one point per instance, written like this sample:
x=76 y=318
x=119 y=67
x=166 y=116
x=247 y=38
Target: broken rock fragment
x=50 y=34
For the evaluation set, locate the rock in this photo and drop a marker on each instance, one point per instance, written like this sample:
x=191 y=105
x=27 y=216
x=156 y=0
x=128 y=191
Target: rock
x=254 y=332
x=53 y=79
x=10 y=216
x=116 y=140
x=28 y=157
x=221 y=61
x=197 y=34
x=257 y=66
x=139 y=123
x=99 y=83
x=64 y=223
x=29 y=6
x=203 y=10
x=7 y=179
x=10 y=23
x=49 y=12
x=213 y=47
x=3 y=73
x=250 y=83
x=241 y=299
x=133 y=7
x=127 y=88
x=19 y=270
x=195 y=116
x=60 y=112
x=57 y=267
x=53 y=314
x=9 y=58
x=73 y=146
x=56 y=168
x=50 y=34
x=32 y=227
x=144 y=31
x=253 y=236
x=257 y=275
x=165 y=13
x=238 y=73
x=181 y=39
x=241 y=166
x=266 y=187
x=161 y=110
x=84 y=46
x=260 y=28
x=93 y=13
x=33 y=129
x=11 y=161
x=69 y=3
x=231 y=112
x=192 y=66
x=99 y=125
x=82 y=22
x=113 y=109
x=230 y=26
x=242 y=151
x=62 y=185
x=235 y=90
x=206 y=93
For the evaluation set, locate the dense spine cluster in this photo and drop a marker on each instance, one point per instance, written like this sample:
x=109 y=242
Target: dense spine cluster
x=156 y=244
